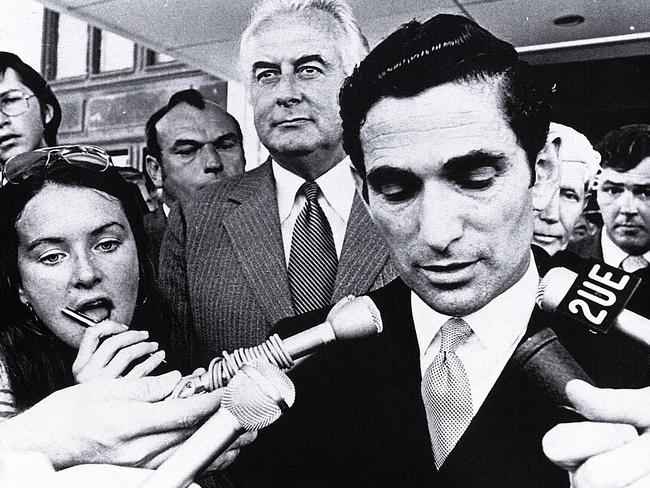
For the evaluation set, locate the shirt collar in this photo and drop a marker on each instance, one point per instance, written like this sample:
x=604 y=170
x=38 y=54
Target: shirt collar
x=337 y=186
x=497 y=325
x=612 y=254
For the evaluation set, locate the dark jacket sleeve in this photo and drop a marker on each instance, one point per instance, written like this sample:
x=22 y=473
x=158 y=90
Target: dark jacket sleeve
x=173 y=283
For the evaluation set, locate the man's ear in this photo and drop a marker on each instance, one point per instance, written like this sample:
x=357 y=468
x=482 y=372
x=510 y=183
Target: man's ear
x=49 y=113
x=155 y=170
x=547 y=174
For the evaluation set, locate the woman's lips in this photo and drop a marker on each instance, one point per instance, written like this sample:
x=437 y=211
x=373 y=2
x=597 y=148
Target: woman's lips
x=97 y=310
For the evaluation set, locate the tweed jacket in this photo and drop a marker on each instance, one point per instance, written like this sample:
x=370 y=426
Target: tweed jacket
x=223 y=270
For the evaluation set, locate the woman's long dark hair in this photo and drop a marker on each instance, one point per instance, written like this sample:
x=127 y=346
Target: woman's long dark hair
x=39 y=363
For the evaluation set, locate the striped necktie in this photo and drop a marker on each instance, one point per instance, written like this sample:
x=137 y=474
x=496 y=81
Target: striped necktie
x=312 y=260
x=446 y=391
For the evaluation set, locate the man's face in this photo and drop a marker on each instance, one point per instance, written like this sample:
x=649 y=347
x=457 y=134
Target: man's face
x=295 y=73
x=624 y=201
x=449 y=189
x=554 y=224
x=198 y=147
x=24 y=132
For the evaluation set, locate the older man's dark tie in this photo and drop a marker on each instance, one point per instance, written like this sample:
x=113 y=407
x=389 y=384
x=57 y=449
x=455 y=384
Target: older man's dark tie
x=312 y=260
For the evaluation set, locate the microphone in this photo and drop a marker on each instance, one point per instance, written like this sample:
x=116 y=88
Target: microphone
x=255 y=398
x=596 y=300
x=351 y=318
x=549 y=366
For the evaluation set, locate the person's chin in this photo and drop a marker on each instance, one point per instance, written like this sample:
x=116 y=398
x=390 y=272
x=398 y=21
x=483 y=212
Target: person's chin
x=457 y=302
x=6 y=153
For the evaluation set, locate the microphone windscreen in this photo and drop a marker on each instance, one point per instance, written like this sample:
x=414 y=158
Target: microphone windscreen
x=355 y=318
x=258 y=394
x=554 y=287
x=548 y=366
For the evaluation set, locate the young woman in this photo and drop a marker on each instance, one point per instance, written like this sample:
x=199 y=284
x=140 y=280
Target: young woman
x=71 y=237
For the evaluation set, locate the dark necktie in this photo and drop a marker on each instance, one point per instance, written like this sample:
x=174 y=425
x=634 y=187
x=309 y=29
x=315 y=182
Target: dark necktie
x=312 y=260
x=446 y=391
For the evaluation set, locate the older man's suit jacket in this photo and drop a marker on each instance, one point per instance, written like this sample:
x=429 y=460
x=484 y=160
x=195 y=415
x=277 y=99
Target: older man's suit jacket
x=589 y=247
x=359 y=419
x=223 y=266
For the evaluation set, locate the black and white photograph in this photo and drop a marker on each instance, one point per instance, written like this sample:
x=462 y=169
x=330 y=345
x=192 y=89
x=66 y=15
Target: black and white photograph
x=324 y=243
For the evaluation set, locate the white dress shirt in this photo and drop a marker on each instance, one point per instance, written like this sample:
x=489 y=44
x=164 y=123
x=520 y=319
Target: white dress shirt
x=498 y=327
x=336 y=197
x=612 y=254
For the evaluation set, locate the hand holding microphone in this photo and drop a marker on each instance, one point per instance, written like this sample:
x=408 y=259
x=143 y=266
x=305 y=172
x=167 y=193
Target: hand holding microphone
x=351 y=318
x=255 y=398
x=611 y=450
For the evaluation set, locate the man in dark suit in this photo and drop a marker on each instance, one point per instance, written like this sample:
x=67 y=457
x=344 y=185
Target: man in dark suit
x=191 y=143
x=447 y=131
x=249 y=251
x=623 y=196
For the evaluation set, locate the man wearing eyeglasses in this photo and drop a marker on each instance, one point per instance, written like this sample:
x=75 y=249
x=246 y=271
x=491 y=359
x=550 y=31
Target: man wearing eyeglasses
x=29 y=111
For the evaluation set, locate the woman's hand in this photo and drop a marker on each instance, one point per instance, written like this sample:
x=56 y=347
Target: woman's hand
x=108 y=349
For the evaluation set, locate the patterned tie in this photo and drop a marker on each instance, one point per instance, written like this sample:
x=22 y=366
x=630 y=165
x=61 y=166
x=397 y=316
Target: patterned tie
x=312 y=260
x=633 y=263
x=446 y=391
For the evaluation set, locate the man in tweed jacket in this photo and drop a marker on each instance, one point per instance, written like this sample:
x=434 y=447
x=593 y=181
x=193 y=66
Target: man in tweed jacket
x=225 y=255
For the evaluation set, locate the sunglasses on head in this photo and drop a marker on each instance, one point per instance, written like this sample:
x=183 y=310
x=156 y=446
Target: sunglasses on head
x=38 y=162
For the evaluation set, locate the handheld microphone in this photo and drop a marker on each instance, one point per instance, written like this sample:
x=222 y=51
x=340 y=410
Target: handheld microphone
x=255 y=398
x=351 y=318
x=596 y=299
x=549 y=366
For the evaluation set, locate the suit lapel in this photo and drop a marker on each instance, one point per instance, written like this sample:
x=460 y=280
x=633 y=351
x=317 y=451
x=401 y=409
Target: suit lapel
x=364 y=253
x=254 y=231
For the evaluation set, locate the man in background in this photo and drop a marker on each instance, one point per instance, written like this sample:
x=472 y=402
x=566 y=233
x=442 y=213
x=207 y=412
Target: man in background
x=578 y=165
x=291 y=235
x=623 y=196
x=30 y=114
x=191 y=143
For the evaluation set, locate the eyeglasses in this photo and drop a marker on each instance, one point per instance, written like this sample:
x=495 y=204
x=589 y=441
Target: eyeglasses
x=40 y=161
x=15 y=102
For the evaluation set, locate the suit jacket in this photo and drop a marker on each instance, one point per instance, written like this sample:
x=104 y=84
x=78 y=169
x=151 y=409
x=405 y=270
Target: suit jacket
x=589 y=247
x=223 y=266
x=359 y=419
x=155 y=224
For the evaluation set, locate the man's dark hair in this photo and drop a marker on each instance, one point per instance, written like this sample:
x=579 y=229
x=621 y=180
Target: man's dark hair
x=624 y=148
x=191 y=97
x=444 y=49
x=35 y=82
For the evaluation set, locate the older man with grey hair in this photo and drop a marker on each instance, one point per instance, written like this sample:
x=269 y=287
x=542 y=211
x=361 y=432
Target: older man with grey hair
x=579 y=163
x=291 y=235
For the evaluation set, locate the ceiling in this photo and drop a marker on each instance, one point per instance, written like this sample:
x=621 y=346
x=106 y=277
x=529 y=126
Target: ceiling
x=204 y=33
